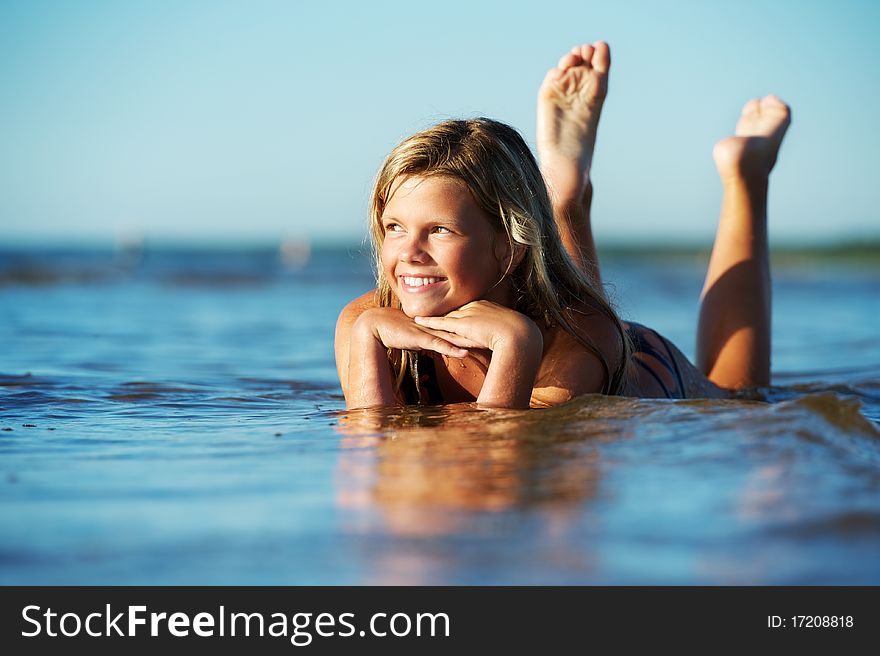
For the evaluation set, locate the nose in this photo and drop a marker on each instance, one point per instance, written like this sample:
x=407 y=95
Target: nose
x=413 y=250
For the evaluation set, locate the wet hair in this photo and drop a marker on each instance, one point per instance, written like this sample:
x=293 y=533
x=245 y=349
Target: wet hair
x=496 y=165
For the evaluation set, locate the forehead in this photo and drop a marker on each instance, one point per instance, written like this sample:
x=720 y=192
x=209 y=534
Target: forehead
x=434 y=196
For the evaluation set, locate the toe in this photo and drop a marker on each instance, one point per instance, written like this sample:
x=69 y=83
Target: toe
x=587 y=53
x=601 y=56
x=752 y=107
x=775 y=102
x=775 y=108
x=568 y=60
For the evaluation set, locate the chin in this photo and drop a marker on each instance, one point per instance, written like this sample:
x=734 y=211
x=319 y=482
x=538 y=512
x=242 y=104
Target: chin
x=410 y=312
x=423 y=310
x=416 y=311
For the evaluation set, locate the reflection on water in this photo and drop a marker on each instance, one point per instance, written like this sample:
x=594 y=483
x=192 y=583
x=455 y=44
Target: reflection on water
x=425 y=463
x=176 y=418
x=617 y=490
x=413 y=461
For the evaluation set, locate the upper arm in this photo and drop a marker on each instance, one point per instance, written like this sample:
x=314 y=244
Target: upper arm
x=568 y=369
x=566 y=375
x=344 y=323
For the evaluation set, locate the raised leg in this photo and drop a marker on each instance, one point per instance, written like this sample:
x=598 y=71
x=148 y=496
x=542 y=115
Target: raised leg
x=569 y=104
x=733 y=337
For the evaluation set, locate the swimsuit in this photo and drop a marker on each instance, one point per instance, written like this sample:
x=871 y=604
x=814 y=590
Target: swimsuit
x=637 y=335
x=428 y=391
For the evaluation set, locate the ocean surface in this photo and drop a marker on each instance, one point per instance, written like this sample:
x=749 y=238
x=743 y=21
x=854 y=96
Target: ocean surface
x=174 y=417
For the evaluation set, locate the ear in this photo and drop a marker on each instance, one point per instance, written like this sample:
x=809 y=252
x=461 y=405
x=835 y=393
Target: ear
x=519 y=252
x=510 y=255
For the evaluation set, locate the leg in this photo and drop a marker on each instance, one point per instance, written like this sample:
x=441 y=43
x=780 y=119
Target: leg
x=569 y=104
x=733 y=337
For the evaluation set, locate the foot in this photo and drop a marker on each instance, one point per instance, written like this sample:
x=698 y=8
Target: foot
x=752 y=152
x=569 y=103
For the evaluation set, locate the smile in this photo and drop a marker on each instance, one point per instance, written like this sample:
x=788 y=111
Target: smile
x=419 y=283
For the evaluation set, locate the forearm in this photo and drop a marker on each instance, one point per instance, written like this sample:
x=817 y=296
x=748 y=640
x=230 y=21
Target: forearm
x=512 y=372
x=369 y=374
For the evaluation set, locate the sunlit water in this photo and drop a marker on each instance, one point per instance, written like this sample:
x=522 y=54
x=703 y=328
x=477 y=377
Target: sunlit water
x=177 y=420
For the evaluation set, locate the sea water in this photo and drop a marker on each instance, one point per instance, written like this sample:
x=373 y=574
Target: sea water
x=174 y=417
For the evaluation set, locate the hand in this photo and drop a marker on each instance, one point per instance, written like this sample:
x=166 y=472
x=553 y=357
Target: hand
x=516 y=343
x=394 y=329
x=484 y=324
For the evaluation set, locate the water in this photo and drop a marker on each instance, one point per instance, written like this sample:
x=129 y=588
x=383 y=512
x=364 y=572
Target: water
x=176 y=419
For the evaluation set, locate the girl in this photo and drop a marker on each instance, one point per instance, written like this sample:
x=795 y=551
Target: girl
x=488 y=286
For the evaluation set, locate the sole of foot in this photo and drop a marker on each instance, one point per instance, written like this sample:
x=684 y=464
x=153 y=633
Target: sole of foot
x=569 y=104
x=752 y=151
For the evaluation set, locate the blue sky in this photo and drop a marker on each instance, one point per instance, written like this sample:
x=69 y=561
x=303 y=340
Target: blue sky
x=254 y=121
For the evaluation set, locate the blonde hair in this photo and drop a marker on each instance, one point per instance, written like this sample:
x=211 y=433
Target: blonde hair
x=496 y=165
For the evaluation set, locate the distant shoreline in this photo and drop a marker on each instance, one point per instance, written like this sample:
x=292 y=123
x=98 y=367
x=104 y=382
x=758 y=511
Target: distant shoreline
x=866 y=252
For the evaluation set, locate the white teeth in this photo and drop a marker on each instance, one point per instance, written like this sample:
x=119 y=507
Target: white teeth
x=412 y=281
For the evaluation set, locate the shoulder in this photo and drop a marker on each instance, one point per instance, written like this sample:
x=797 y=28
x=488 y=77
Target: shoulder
x=569 y=368
x=355 y=309
x=600 y=329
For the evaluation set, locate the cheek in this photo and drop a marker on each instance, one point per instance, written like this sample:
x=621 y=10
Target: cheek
x=485 y=257
x=386 y=256
x=480 y=269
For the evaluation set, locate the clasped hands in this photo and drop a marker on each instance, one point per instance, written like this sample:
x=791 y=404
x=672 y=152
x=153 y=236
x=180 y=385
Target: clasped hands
x=477 y=325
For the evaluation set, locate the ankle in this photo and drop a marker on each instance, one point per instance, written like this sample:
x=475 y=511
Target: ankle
x=746 y=160
x=751 y=180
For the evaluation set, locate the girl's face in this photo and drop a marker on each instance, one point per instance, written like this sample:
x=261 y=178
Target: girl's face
x=439 y=253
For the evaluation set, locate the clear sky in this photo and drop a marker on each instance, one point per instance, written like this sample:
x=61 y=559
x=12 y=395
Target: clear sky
x=258 y=120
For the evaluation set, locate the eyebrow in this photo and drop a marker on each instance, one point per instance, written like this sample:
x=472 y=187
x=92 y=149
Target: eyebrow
x=436 y=219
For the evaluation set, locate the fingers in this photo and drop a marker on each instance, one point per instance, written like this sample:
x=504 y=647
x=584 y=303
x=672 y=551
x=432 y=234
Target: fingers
x=451 y=329
x=466 y=309
x=429 y=340
x=415 y=338
x=441 y=346
x=437 y=323
x=444 y=342
x=453 y=338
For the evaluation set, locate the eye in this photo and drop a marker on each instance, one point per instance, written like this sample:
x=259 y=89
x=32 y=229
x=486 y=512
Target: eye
x=442 y=230
x=392 y=227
